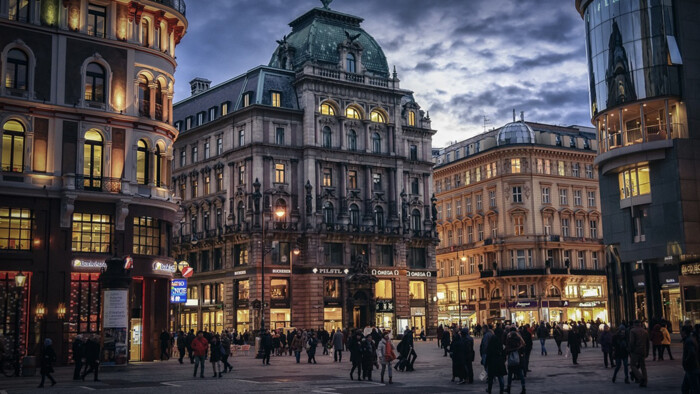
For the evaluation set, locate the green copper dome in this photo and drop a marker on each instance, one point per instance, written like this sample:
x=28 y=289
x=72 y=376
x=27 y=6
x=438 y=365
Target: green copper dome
x=316 y=35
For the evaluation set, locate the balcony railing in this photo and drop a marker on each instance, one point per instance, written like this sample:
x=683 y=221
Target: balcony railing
x=105 y=184
x=352 y=77
x=178 y=5
x=638 y=135
x=349 y=228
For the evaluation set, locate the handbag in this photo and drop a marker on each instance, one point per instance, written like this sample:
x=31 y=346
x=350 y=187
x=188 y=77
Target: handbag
x=513 y=359
x=389 y=354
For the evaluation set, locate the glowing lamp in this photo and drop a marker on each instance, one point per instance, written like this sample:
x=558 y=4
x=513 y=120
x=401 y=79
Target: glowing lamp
x=61 y=310
x=20 y=279
x=40 y=310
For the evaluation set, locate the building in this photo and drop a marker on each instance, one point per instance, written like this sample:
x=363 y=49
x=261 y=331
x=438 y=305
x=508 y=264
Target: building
x=87 y=135
x=643 y=62
x=325 y=155
x=519 y=224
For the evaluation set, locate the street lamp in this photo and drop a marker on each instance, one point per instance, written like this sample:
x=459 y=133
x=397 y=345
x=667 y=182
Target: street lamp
x=20 y=279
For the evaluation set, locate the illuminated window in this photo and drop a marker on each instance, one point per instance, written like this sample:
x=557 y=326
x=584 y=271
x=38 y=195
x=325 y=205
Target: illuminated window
x=16 y=228
x=16 y=70
x=560 y=168
x=411 y=118
x=467 y=178
x=224 y=108
x=95 y=83
x=195 y=185
x=331 y=288
x=83 y=315
x=383 y=289
x=477 y=174
x=416 y=290
x=144 y=32
x=634 y=182
x=350 y=63
x=219 y=181
x=276 y=99
x=515 y=166
x=96 y=20
x=352 y=179
x=279 y=173
x=327 y=109
x=92 y=160
x=376 y=116
x=207 y=183
x=241 y=175
x=142 y=163
x=352 y=113
x=13 y=146
x=147 y=236
x=91 y=233
x=19 y=10
x=519 y=225
x=246 y=99
x=327 y=177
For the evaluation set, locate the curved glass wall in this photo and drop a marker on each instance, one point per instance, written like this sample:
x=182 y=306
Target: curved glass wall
x=627 y=44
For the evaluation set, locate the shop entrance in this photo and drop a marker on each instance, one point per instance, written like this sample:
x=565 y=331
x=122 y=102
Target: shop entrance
x=360 y=312
x=135 y=340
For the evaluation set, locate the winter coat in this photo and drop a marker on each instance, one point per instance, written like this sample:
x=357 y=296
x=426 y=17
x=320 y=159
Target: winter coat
x=181 y=341
x=226 y=346
x=468 y=349
x=188 y=340
x=542 y=331
x=656 y=336
x=297 y=343
x=381 y=350
x=457 y=350
x=367 y=351
x=355 y=351
x=619 y=345
x=558 y=334
x=606 y=341
x=485 y=343
x=266 y=341
x=690 y=355
x=199 y=346
x=92 y=351
x=446 y=338
x=495 y=358
x=527 y=337
x=639 y=342
x=666 y=337
x=48 y=357
x=338 y=340
x=215 y=355
x=313 y=342
x=78 y=350
x=574 y=341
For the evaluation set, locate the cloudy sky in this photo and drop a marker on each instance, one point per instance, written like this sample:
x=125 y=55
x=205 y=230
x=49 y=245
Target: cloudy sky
x=464 y=59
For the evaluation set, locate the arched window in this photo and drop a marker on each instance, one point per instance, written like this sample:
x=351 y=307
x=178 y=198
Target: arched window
x=327 y=109
x=327 y=137
x=16 y=70
x=496 y=294
x=354 y=215
x=240 y=212
x=350 y=63
x=379 y=216
x=415 y=220
x=92 y=160
x=352 y=113
x=328 y=213
x=95 y=83
x=142 y=163
x=411 y=118
x=376 y=116
x=159 y=158
x=145 y=30
x=205 y=219
x=352 y=140
x=159 y=101
x=376 y=143
x=554 y=291
x=144 y=96
x=12 y=146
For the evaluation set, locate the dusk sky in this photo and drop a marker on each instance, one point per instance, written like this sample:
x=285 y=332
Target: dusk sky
x=464 y=59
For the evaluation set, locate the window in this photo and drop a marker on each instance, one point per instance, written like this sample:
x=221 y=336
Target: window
x=241 y=137
x=411 y=118
x=147 y=236
x=144 y=96
x=193 y=228
x=385 y=256
x=352 y=140
x=241 y=175
x=279 y=173
x=219 y=181
x=545 y=195
x=276 y=99
x=576 y=170
x=212 y=113
x=478 y=202
x=579 y=228
x=92 y=160
x=200 y=118
x=376 y=143
x=327 y=109
x=557 y=140
x=581 y=260
x=219 y=145
x=547 y=225
x=354 y=215
x=634 y=182
x=477 y=174
x=183 y=158
x=16 y=70
x=281 y=253
x=188 y=123
x=458 y=207
x=377 y=117
x=563 y=197
x=350 y=63
x=205 y=220
x=19 y=10
x=560 y=168
x=480 y=231
x=240 y=211
x=352 y=113
x=578 y=201
x=572 y=142
x=519 y=225
x=279 y=289
x=246 y=99
x=492 y=198
x=414 y=152
x=471 y=265
x=416 y=258
x=414 y=186
x=159 y=101
x=469 y=205
x=589 y=171
x=515 y=166
x=333 y=253
x=449 y=210
x=279 y=136
x=91 y=233
x=352 y=179
x=467 y=178
x=327 y=177
x=591 y=199
x=331 y=288
x=638 y=218
x=207 y=184
x=224 y=108
x=16 y=228
x=517 y=194
x=383 y=289
x=379 y=217
x=328 y=213
x=593 y=224
x=594 y=260
x=376 y=182
x=183 y=189
x=195 y=154
x=494 y=228
x=565 y=227
x=195 y=184
x=416 y=223
x=470 y=234
x=95 y=83
x=142 y=163
x=416 y=290
x=13 y=146
x=327 y=137
x=243 y=290
x=96 y=20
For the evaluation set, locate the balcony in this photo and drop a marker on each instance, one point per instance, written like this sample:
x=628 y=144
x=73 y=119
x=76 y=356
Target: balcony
x=178 y=5
x=285 y=226
x=349 y=228
x=104 y=184
x=352 y=77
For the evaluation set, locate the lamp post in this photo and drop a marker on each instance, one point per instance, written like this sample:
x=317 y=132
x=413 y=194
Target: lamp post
x=20 y=279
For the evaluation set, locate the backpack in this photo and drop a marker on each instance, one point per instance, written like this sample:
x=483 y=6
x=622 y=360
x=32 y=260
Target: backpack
x=513 y=358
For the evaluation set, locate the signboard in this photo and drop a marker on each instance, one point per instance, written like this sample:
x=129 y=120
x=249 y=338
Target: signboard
x=419 y=274
x=236 y=273
x=164 y=267
x=115 y=306
x=385 y=306
x=558 y=304
x=331 y=271
x=187 y=272
x=178 y=291
x=523 y=304
x=281 y=271
x=589 y=304
x=115 y=323
x=89 y=264
x=376 y=272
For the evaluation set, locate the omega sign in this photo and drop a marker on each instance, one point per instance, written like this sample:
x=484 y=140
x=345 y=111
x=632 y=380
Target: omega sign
x=419 y=274
x=164 y=267
x=385 y=272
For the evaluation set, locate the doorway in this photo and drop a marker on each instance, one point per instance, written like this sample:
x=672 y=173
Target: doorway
x=360 y=312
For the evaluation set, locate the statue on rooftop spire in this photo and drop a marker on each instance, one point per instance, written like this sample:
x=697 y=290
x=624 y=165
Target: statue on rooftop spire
x=326 y=3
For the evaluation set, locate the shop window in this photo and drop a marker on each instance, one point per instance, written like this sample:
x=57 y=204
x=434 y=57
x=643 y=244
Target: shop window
x=243 y=290
x=383 y=289
x=333 y=253
x=279 y=289
x=207 y=294
x=331 y=288
x=332 y=319
x=416 y=258
x=16 y=228
x=588 y=291
x=416 y=290
x=91 y=233
x=84 y=309
x=242 y=320
x=147 y=236
x=193 y=293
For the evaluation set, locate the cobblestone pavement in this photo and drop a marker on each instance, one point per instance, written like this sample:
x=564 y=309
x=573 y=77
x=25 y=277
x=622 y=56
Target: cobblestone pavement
x=550 y=374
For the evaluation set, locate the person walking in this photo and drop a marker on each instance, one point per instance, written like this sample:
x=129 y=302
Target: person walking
x=386 y=355
x=337 y=343
x=440 y=331
x=495 y=359
x=92 y=357
x=665 y=342
x=164 y=345
x=594 y=334
x=574 y=343
x=446 y=341
x=188 y=343
x=526 y=335
x=367 y=350
x=226 y=352
x=542 y=334
x=468 y=342
x=515 y=357
x=458 y=353
x=290 y=338
x=199 y=350
x=48 y=357
x=266 y=343
x=620 y=352
x=606 y=341
x=691 y=379
x=639 y=350
x=656 y=337
x=311 y=351
x=324 y=338
x=181 y=345
x=215 y=355
x=354 y=344
x=78 y=348
x=558 y=335
x=296 y=345
x=488 y=334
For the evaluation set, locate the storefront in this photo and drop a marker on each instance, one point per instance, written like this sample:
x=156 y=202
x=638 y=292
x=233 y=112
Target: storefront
x=555 y=312
x=524 y=312
x=690 y=292
x=280 y=312
x=418 y=300
x=671 y=296
x=385 y=314
x=587 y=311
x=14 y=310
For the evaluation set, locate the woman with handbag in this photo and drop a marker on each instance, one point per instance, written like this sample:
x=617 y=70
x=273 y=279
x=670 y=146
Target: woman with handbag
x=386 y=354
x=514 y=357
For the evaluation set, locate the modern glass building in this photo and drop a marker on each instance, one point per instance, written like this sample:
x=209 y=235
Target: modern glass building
x=642 y=63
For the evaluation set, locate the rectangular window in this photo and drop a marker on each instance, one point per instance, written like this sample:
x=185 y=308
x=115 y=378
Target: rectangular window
x=519 y=225
x=207 y=151
x=547 y=225
x=188 y=123
x=200 y=118
x=515 y=166
x=565 y=227
x=224 y=109
x=243 y=290
x=327 y=177
x=578 y=200
x=416 y=258
x=416 y=290
x=576 y=170
x=478 y=174
x=195 y=154
x=540 y=166
x=479 y=206
x=246 y=99
x=276 y=99
x=207 y=183
x=385 y=255
x=545 y=195
x=281 y=253
x=458 y=206
x=219 y=181
x=333 y=253
x=492 y=198
x=414 y=186
x=183 y=190
x=97 y=17
x=591 y=199
x=279 y=136
x=91 y=233
x=589 y=171
x=471 y=265
x=352 y=179
x=241 y=175
x=383 y=289
x=467 y=178
x=218 y=264
x=279 y=289
x=219 y=145
x=469 y=205
x=331 y=288
x=634 y=182
x=480 y=231
x=241 y=137
x=279 y=173
x=593 y=229
x=195 y=184
x=414 y=152
x=452 y=268
x=517 y=194
x=494 y=228
x=638 y=218
x=377 y=182
x=16 y=228
x=579 y=228
x=147 y=237
x=581 y=260
x=240 y=254
x=460 y=236
x=183 y=158
x=449 y=210
x=470 y=234
x=563 y=197
x=560 y=168
x=212 y=113
x=594 y=260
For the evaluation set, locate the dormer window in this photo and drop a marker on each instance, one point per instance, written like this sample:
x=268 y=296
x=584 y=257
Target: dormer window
x=276 y=99
x=327 y=109
x=246 y=99
x=377 y=117
x=411 y=118
x=350 y=63
x=352 y=113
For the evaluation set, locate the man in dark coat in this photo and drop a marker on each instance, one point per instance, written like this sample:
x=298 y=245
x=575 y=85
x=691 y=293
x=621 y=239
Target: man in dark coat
x=164 y=344
x=495 y=359
x=188 y=343
x=337 y=342
x=458 y=354
x=78 y=354
x=542 y=334
x=181 y=345
x=440 y=331
x=92 y=357
x=574 y=343
x=527 y=337
x=48 y=357
x=446 y=341
x=266 y=343
x=468 y=354
x=639 y=350
x=353 y=344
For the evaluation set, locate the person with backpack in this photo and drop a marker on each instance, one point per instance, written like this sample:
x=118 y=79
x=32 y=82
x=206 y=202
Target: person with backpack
x=515 y=356
x=386 y=355
x=620 y=352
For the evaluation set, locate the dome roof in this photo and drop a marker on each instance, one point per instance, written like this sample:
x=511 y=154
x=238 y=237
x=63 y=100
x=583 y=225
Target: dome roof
x=315 y=37
x=516 y=133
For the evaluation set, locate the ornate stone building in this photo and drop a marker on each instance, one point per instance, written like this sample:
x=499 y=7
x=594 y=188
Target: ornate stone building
x=519 y=224
x=325 y=155
x=87 y=135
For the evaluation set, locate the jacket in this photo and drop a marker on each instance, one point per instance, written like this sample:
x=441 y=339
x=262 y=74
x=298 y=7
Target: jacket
x=690 y=355
x=619 y=345
x=338 y=340
x=215 y=351
x=656 y=336
x=266 y=341
x=78 y=350
x=297 y=344
x=355 y=351
x=606 y=341
x=574 y=341
x=92 y=351
x=48 y=357
x=639 y=342
x=542 y=331
x=558 y=334
x=381 y=350
x=199 y=346
x=495 y=358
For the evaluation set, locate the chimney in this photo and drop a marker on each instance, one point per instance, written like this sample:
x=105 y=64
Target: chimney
x=522 y=116
x=513 y=113
x=199 y=85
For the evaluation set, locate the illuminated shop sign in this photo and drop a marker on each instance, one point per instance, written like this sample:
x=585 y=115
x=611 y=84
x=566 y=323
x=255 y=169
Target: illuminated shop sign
x=589 y=304
x=89 y=264
x=281 y=271
x=385 y=272
x=419 y=274
x=690 y=269
x=236 y=273
x=164 y=267
x=330 y=271
x=178 y=291
x=523 y=304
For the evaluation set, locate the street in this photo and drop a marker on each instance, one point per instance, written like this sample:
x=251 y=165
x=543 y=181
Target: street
x=550 y=374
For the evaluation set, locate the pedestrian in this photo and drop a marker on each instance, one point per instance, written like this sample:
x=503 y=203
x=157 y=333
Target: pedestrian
x=656 y=337
x=542 y=334
x=283 y=343
x=495 y=359
x=311 y=350
x=297 y=345
x=691 y=379
x=199 y=350
x=458 y=354
x=665 y=342
x=558 y=335
x=48 y=357
x=92 y=357
x=354 y=344
x=226 y=352
x=620 y=352
x=367 y=350
x=290 y=338
x=606 y=345
x=164 y=344
x=188 y=343
x=324 y=337
x=266 y=343
x=446 y=341
x=386 y=355
x=440 y=331
x=639 y=350
x=488 y=334
x=215 y=355
x=181 y=345
x=468 y=354
x=526 y=335
x=515 y=357
x=78 y=355
x=574 y=343
x=594 y=334
x=337 y=343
